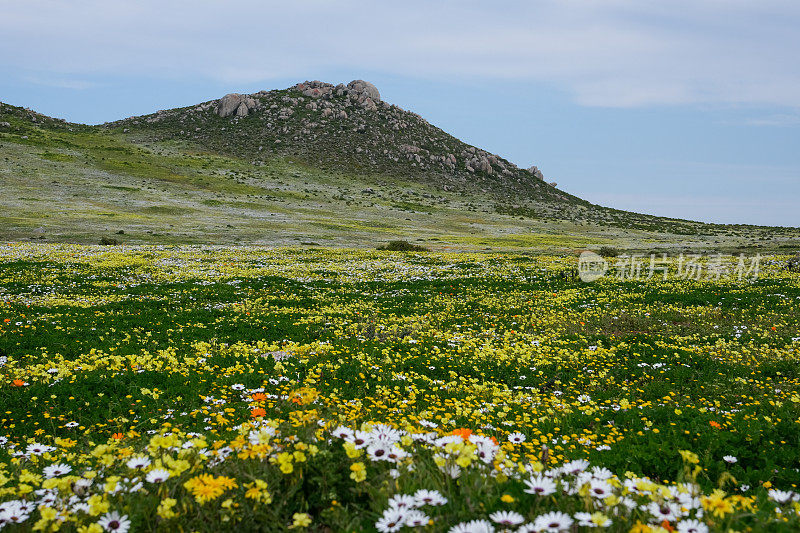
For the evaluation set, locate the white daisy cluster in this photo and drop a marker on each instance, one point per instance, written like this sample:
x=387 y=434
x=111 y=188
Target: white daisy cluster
x=404 y=510
x=382 y=442
x=783 y=496
x=611 y=497
x=15 y=512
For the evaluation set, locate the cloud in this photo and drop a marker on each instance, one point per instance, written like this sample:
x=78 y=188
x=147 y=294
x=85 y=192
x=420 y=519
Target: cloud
x=619 y=53
x=775 y=119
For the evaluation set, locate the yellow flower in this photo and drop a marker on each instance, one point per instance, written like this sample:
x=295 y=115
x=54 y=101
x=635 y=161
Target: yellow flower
x=358 y=472
x=206 y=487
x=165 y=508
x=258 y=491
x=30 y=477
x=301 y=520
x=689 y=457
x=284 y=460
x=507 y=498
x=48 y=513
x=638 y=527
x=97 y=505
x=351 y=450
x=716 y=504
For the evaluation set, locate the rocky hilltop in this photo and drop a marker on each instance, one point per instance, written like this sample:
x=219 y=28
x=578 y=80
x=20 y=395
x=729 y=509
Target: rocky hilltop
x=340 y=127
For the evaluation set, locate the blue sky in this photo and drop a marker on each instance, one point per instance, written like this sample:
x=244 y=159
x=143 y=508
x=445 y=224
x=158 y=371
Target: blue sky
x=687 y=108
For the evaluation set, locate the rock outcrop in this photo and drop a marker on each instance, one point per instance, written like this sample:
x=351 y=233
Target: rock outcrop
x=365 y=88
x=536 y=172
x=235 y=104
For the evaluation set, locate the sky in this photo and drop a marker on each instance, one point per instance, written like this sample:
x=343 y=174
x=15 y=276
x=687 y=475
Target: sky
x=686 y=108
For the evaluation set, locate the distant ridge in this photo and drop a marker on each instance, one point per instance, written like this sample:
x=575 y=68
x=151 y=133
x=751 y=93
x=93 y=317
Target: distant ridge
x=312 y=163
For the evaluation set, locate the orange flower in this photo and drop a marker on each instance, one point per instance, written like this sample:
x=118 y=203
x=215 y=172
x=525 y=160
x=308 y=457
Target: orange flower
x=464 y=433
x=258 y=411
x=17 y=383
x=715 y=424
x=117 y=436
x=666 y=525
x=259 y=396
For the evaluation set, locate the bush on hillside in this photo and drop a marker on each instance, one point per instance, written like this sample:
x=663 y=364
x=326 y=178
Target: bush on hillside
x=402 y=246
x=608 y=251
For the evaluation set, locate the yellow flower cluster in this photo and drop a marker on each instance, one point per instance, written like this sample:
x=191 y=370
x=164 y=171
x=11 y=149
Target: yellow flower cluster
x=206 y=487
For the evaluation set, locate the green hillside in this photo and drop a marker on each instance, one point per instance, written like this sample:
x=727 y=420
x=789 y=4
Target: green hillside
x=311 y=164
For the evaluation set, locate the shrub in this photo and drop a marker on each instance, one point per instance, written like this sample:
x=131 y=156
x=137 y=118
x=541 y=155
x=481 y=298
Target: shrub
x=608 y=251
x=402 y=246
x=108 y=241
x=793 y=264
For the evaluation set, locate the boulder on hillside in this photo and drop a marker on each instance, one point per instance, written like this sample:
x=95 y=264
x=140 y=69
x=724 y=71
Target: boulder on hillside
x=369 y=104
x=365 y=88
x=315 y=88
x=536 y=172
x=235 y=104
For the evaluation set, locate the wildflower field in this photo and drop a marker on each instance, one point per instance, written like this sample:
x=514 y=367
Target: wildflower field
x=207 y=389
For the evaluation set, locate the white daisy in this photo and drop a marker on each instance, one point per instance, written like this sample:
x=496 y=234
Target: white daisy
x=730 y=459
x=540 y=486
x=402 y=501
x=157 y=475
x=114 y=522
x=575 y=467
x=343 y=432
x=14 y=511
x=780 y=496
x=507 y=518
x=473 y=526
x=516 y=437
x=601 y=473
x=552 y=522
x=692 y=526
x=664 y=511
x=600 y=489
x=429 y=497
x=585 y=520
x=378 y=452
x=38 y=449
x=360 y=439
x=392 y=520
x=138 y=462
x=56 y=470
x=416 y=518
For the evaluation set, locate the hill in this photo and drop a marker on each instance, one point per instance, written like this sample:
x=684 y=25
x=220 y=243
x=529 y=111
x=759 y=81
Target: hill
x=314 y=163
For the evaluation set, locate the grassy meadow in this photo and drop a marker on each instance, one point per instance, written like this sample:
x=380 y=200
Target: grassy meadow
x=199 y=388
